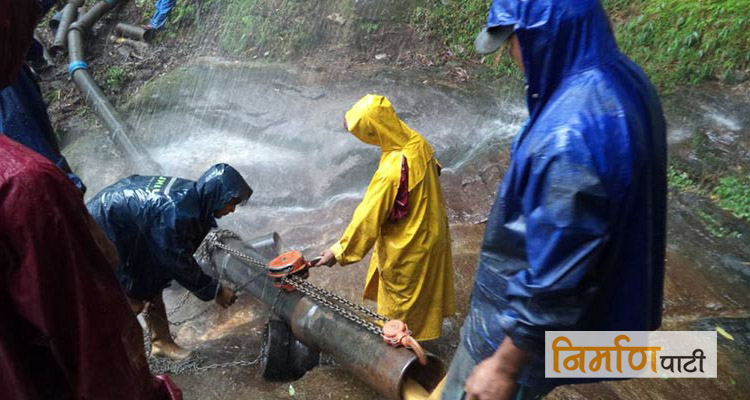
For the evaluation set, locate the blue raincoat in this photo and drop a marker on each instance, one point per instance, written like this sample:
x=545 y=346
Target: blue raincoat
x=157 y=223
x=161 y=13
x=24 y=118
x=576 y=237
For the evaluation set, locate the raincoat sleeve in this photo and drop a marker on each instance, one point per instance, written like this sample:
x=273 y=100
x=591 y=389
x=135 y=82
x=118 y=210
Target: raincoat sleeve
x=176 y=254
x=369 y=216
x=566 y=211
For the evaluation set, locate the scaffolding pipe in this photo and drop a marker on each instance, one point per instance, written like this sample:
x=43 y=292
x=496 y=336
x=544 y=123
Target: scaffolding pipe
x=69 y=14
x=119 y=130
x=382 y=367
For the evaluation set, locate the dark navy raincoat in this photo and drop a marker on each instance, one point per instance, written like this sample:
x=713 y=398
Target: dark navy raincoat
x=24 y=118
x=157 y=223
x=576 y=237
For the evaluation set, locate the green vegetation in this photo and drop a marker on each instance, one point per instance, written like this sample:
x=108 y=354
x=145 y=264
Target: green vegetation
x=456 y=23
x=733 y=195
x=115 y=78
x=678 y=41
x=675 y=41
x=276 y=27
x=715 y=228
x=681 y=180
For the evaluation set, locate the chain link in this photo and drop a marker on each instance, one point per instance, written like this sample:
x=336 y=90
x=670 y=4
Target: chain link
x=179 y=305
x=320 y=295
x=369 y=326
x=357 y=307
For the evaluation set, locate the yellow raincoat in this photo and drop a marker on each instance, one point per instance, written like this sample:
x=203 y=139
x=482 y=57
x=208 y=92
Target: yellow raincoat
x=411 y=274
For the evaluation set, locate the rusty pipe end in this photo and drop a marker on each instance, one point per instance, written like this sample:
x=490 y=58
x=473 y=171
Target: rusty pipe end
x=134 y=32
x=428 y=376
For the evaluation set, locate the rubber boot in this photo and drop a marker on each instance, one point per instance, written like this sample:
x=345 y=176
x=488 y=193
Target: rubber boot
x=162 y=343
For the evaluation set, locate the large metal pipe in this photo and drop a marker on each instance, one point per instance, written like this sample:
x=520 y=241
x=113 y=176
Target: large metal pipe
x=134 y=32
x=69 y=14
x=95 y=13
x=119 y=130
x=382 y=367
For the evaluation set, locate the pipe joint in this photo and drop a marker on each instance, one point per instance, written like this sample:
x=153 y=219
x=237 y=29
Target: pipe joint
x=75 y=26
x=76 y=65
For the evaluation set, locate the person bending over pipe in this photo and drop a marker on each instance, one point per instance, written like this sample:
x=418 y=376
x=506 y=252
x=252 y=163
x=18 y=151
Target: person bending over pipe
x=66 y=328
x=402 y=218
x=157 y=223
x=576 y=238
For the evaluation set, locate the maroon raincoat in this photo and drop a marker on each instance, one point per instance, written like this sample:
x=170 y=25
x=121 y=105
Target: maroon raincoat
x=66 y=329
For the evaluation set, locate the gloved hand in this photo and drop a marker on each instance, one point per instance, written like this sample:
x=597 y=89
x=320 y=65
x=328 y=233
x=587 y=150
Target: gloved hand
x=226 y=297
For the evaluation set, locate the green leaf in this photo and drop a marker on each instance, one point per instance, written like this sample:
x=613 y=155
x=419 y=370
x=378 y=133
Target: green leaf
x=724 y=333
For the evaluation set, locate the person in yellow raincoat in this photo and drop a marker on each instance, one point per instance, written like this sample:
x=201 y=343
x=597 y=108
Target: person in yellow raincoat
x=402 y=217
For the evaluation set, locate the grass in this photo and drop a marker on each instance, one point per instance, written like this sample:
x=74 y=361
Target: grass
x=733 y=195
x=273 y=27
x=675 y=41
x=115 y=78
x=456 y=23
x=679 y=41
x=680 y=180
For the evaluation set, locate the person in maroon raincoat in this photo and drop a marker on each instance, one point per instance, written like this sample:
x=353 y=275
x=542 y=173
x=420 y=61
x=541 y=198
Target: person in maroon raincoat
x=66 y=329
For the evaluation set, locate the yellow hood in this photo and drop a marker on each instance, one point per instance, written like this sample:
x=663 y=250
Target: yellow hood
x=373 y=121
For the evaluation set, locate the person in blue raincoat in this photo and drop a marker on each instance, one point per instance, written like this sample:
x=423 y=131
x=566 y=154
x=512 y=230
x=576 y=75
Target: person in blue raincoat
x=157 y=223
x=162 y=9
x=24 y=118
x=576 y=237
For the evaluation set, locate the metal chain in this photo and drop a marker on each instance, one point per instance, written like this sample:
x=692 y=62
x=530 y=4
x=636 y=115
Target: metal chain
x=179 y=305
x=316 y=293
x=192 y=365
x=244 y=363
x=369 y=326
x=193 y=318
x=357 y=307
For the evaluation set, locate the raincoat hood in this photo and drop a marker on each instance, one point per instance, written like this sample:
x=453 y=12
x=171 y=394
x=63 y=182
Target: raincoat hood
x=558 y=39
x=157 y=223
x=576 y=237
x=373 y=121
x=218 y=186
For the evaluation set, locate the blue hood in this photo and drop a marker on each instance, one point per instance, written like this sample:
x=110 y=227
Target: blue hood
x=558 y=38
x=576 y=237
x=218 y=186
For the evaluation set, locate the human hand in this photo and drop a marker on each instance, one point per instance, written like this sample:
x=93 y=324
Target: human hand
x=226 y=297
x=326 y=258
x=488 y=381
